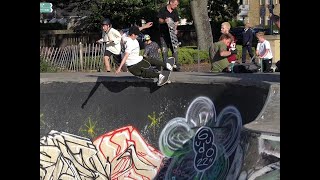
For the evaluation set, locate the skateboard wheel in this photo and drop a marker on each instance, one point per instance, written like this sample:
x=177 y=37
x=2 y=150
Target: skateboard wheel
x=169 y=81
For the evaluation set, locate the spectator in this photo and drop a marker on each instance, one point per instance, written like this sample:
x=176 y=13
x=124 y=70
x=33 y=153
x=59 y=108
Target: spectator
x=264 y=52
x=166 y=12
x=151 y=50
x=219 y=53
x=225 y=28
x=276 y=20
x=247 y=42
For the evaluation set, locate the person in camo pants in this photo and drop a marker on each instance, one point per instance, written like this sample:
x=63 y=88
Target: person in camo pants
x=151 y=50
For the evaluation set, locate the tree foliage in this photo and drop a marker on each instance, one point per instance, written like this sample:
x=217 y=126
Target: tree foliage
x=223 y=10
x=123 y=13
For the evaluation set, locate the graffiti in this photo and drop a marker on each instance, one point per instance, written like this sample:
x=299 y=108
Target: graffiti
x=89 y=128
x=155 y=121
x=130 y=156
x=66 y=156
x=202 y=145
x=120 y=154
x=204 y=149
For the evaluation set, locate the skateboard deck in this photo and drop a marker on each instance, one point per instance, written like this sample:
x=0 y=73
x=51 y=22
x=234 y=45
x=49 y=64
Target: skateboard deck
x=174 y=39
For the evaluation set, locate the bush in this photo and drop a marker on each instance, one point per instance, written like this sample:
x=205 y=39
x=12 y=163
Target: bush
x=45 y=67
x=189 y=55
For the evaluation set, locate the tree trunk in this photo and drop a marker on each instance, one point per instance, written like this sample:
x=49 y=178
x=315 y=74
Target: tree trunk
x=200 y=17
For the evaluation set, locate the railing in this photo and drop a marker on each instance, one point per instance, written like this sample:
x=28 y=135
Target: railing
x=75 y=58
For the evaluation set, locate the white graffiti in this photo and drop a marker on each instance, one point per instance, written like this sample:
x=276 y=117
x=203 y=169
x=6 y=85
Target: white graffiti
x=67 y=156
x=119 y=154
x=210 y=143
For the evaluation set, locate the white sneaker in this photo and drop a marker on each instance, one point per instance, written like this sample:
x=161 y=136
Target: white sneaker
x=160 y=79
x=169 y=67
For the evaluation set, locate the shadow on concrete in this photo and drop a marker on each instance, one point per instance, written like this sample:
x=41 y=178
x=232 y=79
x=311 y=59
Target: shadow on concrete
x=116 y=87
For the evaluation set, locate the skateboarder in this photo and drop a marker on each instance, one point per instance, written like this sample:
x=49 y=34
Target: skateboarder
x=166 y=12
x=136 y=64
x=112 y=38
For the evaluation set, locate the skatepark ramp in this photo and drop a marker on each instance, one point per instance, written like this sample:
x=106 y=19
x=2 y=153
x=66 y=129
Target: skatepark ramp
x=115 y=127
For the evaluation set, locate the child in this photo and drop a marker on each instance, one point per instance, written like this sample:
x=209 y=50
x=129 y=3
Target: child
x=264 y=52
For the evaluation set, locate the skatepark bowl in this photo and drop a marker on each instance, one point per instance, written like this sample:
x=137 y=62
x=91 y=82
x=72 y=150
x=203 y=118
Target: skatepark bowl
x=200 y=126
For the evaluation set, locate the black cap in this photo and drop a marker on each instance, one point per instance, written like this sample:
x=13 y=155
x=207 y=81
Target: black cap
x=106 y=21
x=134 y=30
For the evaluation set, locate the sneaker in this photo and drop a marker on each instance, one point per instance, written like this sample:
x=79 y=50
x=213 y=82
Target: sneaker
x=160 y=80
x=169 y=67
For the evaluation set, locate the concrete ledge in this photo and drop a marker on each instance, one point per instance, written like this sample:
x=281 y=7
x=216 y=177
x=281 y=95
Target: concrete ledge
x=268 y=121
x=257 y=79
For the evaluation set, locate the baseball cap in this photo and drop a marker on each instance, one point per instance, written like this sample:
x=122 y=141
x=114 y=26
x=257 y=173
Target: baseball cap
x=134 y=30
x=147 y=37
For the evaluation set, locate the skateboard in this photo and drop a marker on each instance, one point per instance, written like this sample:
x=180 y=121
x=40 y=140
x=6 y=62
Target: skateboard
x=167 y=73
x=174 y=39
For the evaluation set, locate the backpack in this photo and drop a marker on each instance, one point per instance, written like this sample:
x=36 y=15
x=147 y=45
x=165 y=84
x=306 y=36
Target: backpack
x=246 y=68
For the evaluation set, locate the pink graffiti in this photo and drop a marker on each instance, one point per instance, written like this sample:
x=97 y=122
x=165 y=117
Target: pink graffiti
x=129 y=155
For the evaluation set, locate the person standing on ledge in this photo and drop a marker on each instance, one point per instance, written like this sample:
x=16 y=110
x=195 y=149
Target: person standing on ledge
x=166 y=12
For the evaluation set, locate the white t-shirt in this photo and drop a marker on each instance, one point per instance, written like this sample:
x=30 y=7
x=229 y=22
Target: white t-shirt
x=262 y=47
x=115 y=36
x=132 y=47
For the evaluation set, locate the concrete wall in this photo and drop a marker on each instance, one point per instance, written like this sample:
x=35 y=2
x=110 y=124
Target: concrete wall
x=118 y=130
x=275 y=46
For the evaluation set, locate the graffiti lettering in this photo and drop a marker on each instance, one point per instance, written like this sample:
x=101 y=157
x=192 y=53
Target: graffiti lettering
x=204 y=149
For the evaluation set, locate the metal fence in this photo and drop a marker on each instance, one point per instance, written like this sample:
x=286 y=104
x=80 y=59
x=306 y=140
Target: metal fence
x=75 y=58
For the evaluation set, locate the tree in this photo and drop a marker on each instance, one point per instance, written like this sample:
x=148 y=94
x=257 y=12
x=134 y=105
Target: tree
x=123 y=13
x=201 y=23
x=218 y=10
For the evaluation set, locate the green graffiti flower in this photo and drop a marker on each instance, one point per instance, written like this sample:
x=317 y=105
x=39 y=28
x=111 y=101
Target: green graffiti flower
x=89 y=128
x=155 y=121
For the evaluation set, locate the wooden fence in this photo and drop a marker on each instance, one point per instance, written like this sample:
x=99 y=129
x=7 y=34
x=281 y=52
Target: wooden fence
x=75 y=58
